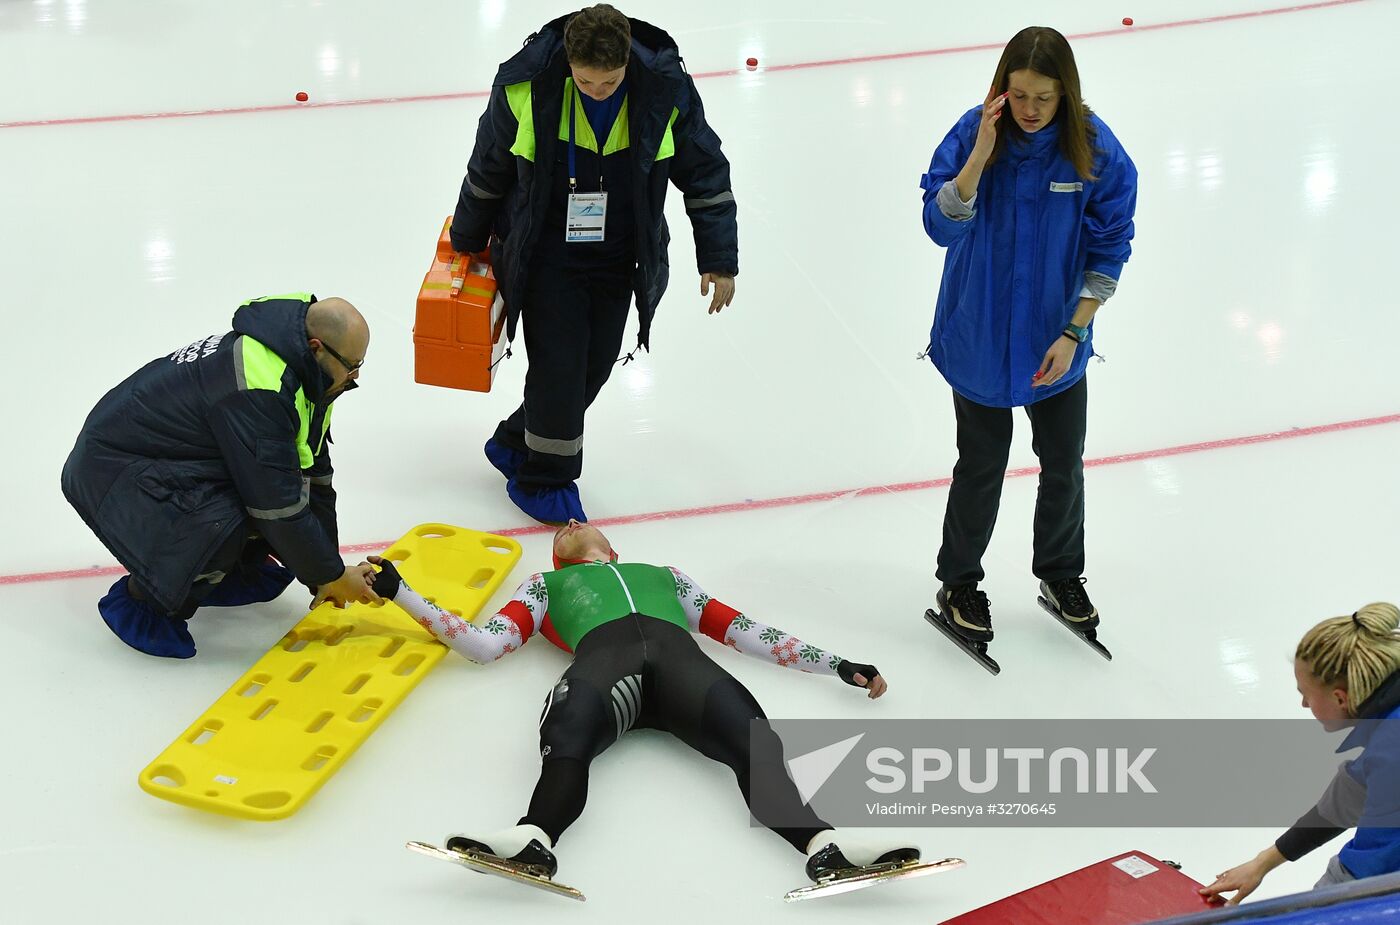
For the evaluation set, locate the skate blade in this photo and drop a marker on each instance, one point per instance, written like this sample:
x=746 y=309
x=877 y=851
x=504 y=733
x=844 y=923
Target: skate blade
x=486 y=864
x=978 y=651
x=871 y=876
x=1089 y=638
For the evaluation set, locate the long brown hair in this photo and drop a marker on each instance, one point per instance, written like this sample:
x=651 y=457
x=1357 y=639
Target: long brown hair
x=1047 y=52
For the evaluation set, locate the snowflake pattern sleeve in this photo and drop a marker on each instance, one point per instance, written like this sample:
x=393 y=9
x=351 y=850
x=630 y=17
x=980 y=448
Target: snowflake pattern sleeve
x=505 y=632
x=724 y=624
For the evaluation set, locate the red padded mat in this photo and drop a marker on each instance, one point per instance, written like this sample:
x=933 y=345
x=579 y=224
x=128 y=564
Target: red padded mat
x=1126 y=889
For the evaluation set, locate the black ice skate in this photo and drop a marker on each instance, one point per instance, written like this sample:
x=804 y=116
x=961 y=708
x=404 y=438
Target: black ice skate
x=1068 y=602
x=533 y=864
x=964 y=615
x=832 y=872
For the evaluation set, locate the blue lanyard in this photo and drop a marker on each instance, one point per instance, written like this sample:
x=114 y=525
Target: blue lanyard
x=573 y=172
x=573 y=183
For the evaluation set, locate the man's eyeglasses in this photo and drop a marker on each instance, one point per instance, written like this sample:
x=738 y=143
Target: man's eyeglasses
x=349 y=367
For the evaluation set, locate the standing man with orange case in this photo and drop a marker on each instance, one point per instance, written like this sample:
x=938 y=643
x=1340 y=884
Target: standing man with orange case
x=567 y=184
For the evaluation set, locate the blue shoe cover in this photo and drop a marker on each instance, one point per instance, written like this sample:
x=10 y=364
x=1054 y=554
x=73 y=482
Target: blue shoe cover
x=548 y=505
x=142 y=627
x=504 y=458
x=258 y=585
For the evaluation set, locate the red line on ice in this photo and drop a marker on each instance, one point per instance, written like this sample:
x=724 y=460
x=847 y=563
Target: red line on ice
x=792 y=500
x=801 y=65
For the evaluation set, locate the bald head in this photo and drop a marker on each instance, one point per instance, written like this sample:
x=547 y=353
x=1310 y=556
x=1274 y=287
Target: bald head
x=339 y=322
x=336 y=324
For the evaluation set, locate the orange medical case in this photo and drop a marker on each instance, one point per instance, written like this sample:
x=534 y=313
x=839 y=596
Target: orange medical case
x=457 y=330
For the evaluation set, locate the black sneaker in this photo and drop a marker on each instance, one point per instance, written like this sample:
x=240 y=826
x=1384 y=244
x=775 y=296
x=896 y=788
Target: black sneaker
x=1069 y=599
x=966 y=611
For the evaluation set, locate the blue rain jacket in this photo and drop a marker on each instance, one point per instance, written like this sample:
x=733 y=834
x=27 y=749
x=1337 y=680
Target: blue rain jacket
x=1375 y=848
x=1014 y=271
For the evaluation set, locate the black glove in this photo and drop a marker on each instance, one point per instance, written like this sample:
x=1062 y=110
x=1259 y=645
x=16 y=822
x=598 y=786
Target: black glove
x=846 y=669
x=386 y=583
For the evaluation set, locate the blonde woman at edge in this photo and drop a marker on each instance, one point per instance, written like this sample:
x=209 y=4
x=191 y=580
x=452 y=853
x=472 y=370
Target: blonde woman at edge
x=1348 y=669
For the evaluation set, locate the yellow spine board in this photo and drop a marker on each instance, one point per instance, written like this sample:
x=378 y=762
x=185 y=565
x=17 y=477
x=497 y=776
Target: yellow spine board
x=289 y=723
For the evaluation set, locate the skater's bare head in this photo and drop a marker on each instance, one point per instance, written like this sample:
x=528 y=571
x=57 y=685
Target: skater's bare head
x=338 y=336
x=581 y=542
x=1343 y=660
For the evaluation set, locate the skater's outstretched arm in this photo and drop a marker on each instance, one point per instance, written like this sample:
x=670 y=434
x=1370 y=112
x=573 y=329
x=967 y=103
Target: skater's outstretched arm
x=505 y=632
x=726 y=625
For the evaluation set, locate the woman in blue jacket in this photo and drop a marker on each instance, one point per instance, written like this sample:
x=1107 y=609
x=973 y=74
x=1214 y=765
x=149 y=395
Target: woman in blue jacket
x=1037 y=214
x=1348 y=672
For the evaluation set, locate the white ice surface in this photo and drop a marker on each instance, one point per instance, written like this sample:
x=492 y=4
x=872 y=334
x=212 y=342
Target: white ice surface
x=1258 y=300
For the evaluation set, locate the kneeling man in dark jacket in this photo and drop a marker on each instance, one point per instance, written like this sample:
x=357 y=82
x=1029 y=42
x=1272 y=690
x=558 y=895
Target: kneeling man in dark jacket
x=207 y=462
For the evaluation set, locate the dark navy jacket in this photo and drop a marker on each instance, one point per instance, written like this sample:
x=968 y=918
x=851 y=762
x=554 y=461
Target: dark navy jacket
x=227 y=434
x=506 y=192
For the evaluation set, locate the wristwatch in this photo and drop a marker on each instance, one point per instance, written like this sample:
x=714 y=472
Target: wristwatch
x=1076 y=333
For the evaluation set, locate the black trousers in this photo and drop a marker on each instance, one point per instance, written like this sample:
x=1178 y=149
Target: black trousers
x=575 y=315
x=640 y=672
x=244 y=549
x=984 y=445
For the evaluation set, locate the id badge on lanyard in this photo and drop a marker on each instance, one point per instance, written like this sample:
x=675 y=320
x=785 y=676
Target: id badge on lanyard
x=587 y=213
